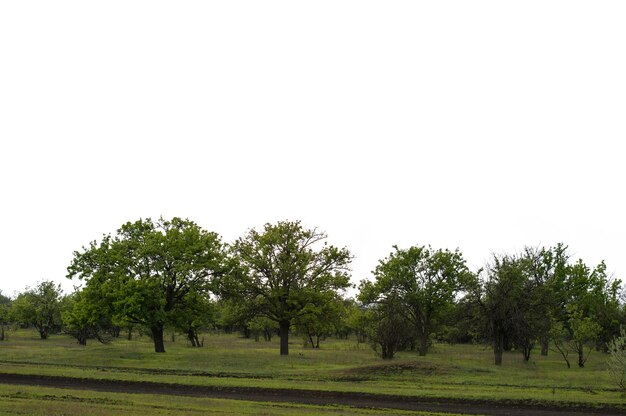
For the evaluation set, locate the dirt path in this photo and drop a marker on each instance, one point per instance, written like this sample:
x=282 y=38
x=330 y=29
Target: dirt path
x=306 y=397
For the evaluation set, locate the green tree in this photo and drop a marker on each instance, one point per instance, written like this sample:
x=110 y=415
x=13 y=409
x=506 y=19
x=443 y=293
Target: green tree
x=197 y=312
x=321 y=320
x=148 y=271
x=233 y=315
x=547 y=273
x=389 y=331
x=424 y=282
x=5 y=312
x=591 y=309
x=502 y=302
x=356 y=320
x=260 y=325
x=85 y=316
x=285 y=268
x=39 y=307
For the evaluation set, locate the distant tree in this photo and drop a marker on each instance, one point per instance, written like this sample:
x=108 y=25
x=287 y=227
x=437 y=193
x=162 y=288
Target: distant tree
x=149 y=270
x=4 y=300
x=260 y=325
x=592 y=308
x=85 y=316
x=197 y=312
x=5 y=312
x=39 y=307
x=233 y=315
x=342 y=325
x=389 y=331
x=357 y=321
x=285 y=270
x=321 y=320
x=423 y=282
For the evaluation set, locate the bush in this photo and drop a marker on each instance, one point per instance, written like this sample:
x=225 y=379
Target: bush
x=617 y=359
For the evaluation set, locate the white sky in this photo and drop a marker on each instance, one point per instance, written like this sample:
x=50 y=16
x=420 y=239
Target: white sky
x=482 y=125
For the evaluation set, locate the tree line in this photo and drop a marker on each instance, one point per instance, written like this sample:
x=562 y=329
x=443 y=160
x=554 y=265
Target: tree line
x=285 y=279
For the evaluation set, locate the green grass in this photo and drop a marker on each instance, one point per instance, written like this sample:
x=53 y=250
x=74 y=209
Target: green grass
x=461 y=371
x=20 y=400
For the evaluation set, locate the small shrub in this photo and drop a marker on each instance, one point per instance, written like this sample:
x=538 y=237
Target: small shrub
x=617 y=359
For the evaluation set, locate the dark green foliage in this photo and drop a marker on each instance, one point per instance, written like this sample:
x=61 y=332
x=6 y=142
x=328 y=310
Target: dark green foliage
x=538 y=297
x=389 y=331
x=5 y=311
x=424 y=282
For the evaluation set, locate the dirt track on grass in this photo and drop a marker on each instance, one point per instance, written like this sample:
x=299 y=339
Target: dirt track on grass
x=314 y=397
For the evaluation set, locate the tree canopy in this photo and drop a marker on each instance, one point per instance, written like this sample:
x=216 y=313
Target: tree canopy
x=423 y=280
x=149 y=270
x=39 y=307
x=287 y=271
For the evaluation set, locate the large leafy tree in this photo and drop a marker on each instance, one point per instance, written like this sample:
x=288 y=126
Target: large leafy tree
x=287 y=271
x=149 y=270
x=423 y=280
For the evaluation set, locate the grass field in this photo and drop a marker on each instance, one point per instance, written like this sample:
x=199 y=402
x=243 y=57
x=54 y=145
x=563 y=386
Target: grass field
x=460 y=371
x=20 y=400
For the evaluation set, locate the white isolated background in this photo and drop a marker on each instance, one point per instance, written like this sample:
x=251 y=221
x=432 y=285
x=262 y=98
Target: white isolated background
x=485 y=126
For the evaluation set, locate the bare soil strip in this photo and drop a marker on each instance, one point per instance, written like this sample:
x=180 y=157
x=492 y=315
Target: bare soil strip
x=314 y=397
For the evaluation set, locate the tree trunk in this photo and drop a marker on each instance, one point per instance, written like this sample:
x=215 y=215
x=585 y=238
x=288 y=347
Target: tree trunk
x=191 y=336
x=498 y=348
x=157 y=337
x=43 y=333
x=581 y=357
x=497 y=353
x=284 y=337
x=386 y=351
x=423 y=339
x=115 y=332
x=526 y=352
x=423 y=329
x=544 y=347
